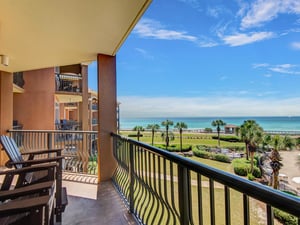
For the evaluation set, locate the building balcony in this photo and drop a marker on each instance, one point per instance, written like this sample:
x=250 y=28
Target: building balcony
x=156 y=186
x=68 y=83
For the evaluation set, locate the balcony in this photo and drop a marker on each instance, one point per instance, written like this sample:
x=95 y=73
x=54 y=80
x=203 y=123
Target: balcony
x=68 y=83
x=158 y=187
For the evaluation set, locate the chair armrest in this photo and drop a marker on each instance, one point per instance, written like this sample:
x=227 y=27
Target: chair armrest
x=23 y=205
x=37 y=161
x=39 y=188
x=33 y=168
x=43 y=151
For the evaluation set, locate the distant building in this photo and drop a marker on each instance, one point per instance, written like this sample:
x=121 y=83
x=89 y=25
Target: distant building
x=230 y=129
x=54 y=98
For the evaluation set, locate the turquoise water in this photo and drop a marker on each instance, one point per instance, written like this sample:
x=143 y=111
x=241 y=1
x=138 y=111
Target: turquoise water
x=267 y=123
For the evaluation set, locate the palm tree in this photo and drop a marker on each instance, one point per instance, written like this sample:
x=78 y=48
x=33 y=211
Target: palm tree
x=180 y=126
x=138 y=129
x=251 y=134
x=275 y=159
x=288 y=142
x=167 y=124
x=266 y=141
x=218 y=124
x=153 y=128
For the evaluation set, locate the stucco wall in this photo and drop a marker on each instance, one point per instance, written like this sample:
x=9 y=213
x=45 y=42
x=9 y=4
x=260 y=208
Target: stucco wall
x=35 y=107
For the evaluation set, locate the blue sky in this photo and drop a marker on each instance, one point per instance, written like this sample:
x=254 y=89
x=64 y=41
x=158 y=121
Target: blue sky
x=211 y=58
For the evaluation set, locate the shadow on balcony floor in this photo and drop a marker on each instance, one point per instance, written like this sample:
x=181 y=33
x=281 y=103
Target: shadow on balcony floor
x=104 y=206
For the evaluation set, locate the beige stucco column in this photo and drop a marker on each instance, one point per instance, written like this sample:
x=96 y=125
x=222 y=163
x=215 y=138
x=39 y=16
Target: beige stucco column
x=107 y=117
x=6 y=107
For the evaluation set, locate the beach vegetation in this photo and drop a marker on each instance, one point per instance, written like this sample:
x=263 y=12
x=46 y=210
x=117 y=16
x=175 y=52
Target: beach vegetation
x=218 y=124
x=180 y=126
x=175 y=148
x=242 y=167
x=229 y=138
x=252 y=135
x=288 y=142
x=284 y=217
x=166 y=135
x=139 y=129
x=154 y=128
x=203 y=153
x=208 y=130
x=275 y=160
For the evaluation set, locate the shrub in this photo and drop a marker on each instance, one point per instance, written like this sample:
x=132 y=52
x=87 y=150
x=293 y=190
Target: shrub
x=202 y=147
x=242 y=167
x=240 y=170
x=134 y=135
x=221 y=158
x=202 y=154
x=284 y=217
x=227 y=138
x=256 y=172
x=174 y=148
x=250 y=176
x=208 y=130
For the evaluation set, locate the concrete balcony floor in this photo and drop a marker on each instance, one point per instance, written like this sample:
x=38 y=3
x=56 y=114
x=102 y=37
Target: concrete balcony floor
x=95 y=204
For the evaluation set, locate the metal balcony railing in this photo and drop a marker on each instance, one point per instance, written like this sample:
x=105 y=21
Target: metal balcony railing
x=160 y=187
x=68 y=83
x=79 y=147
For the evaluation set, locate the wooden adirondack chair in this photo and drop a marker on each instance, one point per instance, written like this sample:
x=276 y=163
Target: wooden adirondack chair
x=17 y=160
x=31 y=204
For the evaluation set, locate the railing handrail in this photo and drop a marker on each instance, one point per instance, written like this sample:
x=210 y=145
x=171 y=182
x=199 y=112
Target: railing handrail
x=276 y=198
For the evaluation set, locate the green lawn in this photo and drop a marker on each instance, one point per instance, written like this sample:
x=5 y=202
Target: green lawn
x=188 y=139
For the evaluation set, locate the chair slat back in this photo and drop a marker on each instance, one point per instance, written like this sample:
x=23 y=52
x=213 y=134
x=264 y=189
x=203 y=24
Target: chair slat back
x=12 y=150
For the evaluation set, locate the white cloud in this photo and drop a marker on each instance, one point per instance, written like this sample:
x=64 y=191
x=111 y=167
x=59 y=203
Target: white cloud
x=149 y=28
x=153 y=29
x=285 y=69
x=144 y=53
x=279 y=68
x=263 y=11
x=296 y=45
x=259 y=65
x=243 y=39
x=137 y=106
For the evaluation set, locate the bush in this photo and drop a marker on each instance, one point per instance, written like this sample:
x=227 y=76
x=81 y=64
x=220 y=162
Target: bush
x=256 y=172
x=134 y=135
x=221 y=158
x=202 y=154
x=209 y=155
x=208 y=130
x=228 y=138
x=242 y=167
x=284 y=217
x=250 y=176
x=240 y=170
x=202 y=147
x=174 y=148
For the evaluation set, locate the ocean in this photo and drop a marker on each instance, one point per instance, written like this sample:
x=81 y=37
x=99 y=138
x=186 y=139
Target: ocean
x=277 y=123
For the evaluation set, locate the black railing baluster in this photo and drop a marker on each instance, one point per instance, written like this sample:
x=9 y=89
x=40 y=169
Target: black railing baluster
x=270 y=218
x=227 y=205
x=183 y=195
x=131 y=178
x=246 y=209
x=212 y=201
x=200 y=202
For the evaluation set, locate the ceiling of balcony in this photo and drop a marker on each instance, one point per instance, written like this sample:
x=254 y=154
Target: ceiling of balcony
x=40 y=33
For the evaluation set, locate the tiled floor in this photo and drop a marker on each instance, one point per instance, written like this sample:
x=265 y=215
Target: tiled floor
x=99 y=207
